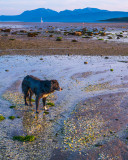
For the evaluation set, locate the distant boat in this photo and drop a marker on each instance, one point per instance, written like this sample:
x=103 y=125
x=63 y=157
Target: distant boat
x=41 y=20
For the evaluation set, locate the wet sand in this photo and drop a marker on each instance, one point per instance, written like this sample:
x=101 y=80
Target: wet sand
x=51 y=47
x=90 y=116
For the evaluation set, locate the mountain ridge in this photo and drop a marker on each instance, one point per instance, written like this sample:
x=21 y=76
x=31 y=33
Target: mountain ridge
x=121 y=20
x=77 y=15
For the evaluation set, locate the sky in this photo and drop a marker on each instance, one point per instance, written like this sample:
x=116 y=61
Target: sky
x=16 y=7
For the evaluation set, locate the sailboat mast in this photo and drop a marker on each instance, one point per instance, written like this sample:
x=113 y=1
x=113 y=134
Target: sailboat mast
x=41 y=20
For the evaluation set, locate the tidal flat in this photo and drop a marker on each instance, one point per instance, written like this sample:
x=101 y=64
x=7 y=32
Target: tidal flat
x=63 y=38
x=88 y=119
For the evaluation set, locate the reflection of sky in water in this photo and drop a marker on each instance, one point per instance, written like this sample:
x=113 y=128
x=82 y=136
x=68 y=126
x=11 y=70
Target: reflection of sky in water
x=11 y=26
x=15 y=26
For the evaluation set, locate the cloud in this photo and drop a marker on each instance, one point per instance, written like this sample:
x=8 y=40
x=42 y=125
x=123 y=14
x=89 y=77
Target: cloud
x=18 y=6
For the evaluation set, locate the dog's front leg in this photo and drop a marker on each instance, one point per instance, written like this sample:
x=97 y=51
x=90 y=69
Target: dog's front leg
x=30 y=97
x=44 y=104
x=25 y=99
x=37 y=103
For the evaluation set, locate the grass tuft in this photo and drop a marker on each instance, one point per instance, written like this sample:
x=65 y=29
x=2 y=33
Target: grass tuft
x=27 y=138
x=59 y=39
x=12 y=117
x=32 y=100
x=2 y=117
x=101 y=39
x=12 y=107
x=46 y=112
x=50 y=104
x=98 y=145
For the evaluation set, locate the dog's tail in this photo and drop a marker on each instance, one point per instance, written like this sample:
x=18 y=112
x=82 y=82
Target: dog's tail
x=25 y=84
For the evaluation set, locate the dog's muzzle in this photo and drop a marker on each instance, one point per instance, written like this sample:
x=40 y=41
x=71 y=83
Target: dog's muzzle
x=59 y=89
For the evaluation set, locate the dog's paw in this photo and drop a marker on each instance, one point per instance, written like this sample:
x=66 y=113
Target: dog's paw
x=45 y=108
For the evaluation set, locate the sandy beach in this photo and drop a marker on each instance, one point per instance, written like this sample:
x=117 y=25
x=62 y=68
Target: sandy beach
x=88 y=118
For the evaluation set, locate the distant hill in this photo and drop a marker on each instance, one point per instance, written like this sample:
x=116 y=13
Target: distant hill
x=121 y=19
x=77 y=15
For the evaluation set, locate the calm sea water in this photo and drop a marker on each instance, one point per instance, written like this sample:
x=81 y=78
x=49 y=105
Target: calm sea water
x=59 y=25
x=36 y=24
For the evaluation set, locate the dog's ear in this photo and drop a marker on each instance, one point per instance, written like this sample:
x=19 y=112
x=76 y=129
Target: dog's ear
x=54 y=81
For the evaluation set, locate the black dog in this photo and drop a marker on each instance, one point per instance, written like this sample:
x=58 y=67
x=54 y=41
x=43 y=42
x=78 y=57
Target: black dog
x=41 y=88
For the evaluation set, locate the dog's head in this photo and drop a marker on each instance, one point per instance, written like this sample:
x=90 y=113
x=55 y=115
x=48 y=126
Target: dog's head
x=55 y=85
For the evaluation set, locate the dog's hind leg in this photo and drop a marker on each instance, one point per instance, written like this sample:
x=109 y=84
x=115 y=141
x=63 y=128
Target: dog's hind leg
x=37 y=103
x=44 y=101
x=30 y=97
x=44 y=104
x=26 y=94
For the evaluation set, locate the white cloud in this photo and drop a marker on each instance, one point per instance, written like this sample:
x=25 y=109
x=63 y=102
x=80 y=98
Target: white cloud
x=18 y=6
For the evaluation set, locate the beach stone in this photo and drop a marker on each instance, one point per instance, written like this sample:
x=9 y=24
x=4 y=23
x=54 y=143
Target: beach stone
x=90 y=33
x=95 y=30
x=78 y=33
x=6 y=30
x=34 y=34
x=74 y=40
x=103 y=34
x=110 y=37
